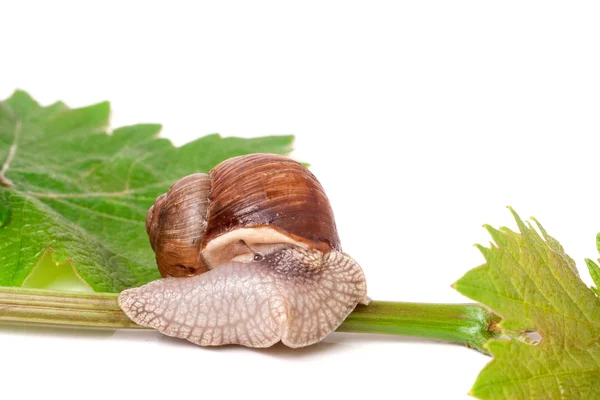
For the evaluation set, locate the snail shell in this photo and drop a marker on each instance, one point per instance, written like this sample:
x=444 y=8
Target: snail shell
x=206 y=220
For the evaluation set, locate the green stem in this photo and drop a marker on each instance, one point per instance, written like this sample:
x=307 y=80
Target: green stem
x=469 y=324
x=94 y=310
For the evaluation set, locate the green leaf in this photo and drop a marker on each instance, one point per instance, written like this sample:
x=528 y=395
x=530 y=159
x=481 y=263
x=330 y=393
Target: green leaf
x=594 y=269
x=4 y=208
x=70 y=190
x=50 y=276
x=533 y=284
x=594 y=273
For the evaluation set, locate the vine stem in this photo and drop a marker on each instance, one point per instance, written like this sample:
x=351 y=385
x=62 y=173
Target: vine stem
x=469 y=324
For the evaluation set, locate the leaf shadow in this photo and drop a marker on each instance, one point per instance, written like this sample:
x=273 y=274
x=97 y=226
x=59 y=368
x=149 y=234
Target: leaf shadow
x=30 y=329
x=335 y=343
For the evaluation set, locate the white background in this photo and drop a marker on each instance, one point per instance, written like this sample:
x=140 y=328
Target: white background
x=423 y=120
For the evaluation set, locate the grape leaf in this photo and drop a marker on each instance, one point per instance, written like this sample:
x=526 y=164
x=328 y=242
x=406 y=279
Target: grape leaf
x=534 y=285
x=595 y=273
x=70 y=190
x=4 y=208
x=594 y=269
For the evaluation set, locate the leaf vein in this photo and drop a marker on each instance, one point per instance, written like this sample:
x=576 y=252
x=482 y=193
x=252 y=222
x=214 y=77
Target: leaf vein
x=4 y=181
x=101 y=214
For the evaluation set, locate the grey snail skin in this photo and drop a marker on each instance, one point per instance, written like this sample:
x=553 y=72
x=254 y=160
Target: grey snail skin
x=250 y=255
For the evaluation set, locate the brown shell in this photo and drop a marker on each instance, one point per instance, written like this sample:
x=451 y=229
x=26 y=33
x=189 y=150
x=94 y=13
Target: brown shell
x=270 y=190
x=175 y=224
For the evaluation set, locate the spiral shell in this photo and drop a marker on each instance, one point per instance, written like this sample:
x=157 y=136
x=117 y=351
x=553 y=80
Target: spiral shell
x=175 y=226
x=206 y=220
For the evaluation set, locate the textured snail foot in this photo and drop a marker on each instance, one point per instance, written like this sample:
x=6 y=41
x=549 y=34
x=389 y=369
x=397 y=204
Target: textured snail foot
x=253 y=304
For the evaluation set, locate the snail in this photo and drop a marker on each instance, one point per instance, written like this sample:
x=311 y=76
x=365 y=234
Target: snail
x=249 y=255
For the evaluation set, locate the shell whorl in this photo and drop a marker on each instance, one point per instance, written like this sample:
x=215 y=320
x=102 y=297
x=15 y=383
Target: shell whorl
x=175 y=225
x=259 y=190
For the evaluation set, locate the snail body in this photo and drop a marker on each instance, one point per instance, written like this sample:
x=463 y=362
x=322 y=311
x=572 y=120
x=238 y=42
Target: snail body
x=249 y=254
